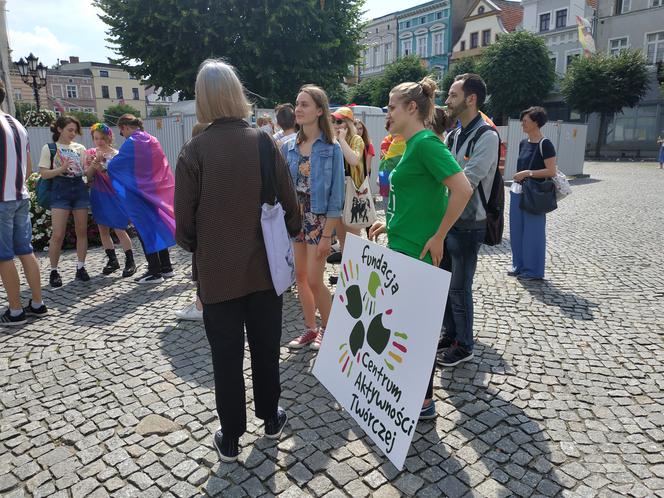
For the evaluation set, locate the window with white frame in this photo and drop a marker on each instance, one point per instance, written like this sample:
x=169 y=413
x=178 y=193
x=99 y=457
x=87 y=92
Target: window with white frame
x=422 y=46
x=17 y=94
x=437 y=43
x=561 y=18
x=617 y=44
x=376 y=56
x=657 y=3
x=388 y=52
x=407 y=47
x=545 y=22
x=103 y=73
x=554 y=62
x=655 y=47
x=625 y=6
x=72 y=92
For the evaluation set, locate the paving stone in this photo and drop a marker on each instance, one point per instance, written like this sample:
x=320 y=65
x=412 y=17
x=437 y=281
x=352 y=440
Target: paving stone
x=409 y=483
x=452 y=487
x=215 y=486
x=562 y=398
x=84 y=487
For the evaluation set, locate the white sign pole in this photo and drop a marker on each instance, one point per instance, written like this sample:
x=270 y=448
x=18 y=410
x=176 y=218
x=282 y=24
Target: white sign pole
x=380 y=344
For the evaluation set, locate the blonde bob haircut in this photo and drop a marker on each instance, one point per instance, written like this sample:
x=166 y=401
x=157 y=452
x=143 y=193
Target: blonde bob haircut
x=219 y=93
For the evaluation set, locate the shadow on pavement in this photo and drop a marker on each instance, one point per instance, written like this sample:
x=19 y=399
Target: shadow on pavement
x=570 y=304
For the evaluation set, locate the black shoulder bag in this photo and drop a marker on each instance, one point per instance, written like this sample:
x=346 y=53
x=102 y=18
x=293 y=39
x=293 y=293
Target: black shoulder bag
x=538 y=197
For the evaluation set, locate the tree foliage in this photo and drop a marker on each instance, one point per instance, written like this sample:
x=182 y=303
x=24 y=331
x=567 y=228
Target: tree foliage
x=606 y=84
x=86 y=118
x=20 y=109
x=115 y=111
x=158 y=111
x=362 y=93
x=465 y=65
x=276 y=45
x=405 y=69
x=518 y=73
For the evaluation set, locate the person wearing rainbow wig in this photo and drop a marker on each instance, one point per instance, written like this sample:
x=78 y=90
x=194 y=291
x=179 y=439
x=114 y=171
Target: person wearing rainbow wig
x=106 y=206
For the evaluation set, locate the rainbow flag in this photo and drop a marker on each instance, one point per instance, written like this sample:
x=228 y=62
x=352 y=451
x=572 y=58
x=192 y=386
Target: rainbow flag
x=144 y=183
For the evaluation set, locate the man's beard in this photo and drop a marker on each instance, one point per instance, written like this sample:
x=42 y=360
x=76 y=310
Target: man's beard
x=457 y=111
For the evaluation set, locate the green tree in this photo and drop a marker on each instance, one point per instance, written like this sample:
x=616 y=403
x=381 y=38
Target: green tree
x=465 y=65
x=115 y=111
x=86 y=118
x=361 y=94
x=158 y=110
x=518 y=73
x=606 y=84
x=21 y=109
x=276 y=45
x=405 y=69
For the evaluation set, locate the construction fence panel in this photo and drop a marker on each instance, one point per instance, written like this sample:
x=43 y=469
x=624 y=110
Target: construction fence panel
x=567 y=138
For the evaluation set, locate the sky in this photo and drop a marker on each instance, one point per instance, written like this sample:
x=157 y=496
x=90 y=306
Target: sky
x=56 y=29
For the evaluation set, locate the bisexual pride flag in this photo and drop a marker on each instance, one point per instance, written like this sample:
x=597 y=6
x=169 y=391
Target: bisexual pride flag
x=144 y=183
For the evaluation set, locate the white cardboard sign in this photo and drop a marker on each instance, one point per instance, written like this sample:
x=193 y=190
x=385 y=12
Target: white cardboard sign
x=381 y=338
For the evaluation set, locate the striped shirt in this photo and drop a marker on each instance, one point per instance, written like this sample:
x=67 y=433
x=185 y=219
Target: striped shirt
x=13 y=159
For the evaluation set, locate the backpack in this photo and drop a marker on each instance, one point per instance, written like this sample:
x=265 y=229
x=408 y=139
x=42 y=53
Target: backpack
x=495 y=205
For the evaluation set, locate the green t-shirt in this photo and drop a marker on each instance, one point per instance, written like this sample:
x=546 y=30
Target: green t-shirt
x=418 y=198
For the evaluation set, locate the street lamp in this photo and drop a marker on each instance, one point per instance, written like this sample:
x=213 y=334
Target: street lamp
x=33 y=74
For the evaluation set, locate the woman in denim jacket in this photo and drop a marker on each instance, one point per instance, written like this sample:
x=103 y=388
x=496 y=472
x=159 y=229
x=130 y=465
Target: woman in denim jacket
x=316 y=165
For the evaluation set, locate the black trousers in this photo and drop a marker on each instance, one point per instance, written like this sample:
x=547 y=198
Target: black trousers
x=159 y=262
x=260 y=314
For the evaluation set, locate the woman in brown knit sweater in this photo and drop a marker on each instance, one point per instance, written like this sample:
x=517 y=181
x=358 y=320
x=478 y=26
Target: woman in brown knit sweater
x=217 y=208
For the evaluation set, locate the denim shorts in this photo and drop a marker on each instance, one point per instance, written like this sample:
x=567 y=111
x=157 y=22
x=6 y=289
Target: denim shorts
x=15 y=229
x=69 y=193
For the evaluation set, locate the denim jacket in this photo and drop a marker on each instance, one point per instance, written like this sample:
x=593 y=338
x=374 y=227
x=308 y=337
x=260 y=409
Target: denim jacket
x=327 y=175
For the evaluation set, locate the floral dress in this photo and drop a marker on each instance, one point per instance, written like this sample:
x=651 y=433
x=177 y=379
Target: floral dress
x=312 y=224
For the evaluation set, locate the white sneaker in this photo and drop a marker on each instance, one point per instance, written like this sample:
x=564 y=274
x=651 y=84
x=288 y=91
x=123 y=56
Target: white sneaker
x=190 y=313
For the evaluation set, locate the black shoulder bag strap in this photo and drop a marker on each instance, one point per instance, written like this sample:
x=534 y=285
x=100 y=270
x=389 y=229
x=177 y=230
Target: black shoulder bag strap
x=451 y=139
x=268 y=175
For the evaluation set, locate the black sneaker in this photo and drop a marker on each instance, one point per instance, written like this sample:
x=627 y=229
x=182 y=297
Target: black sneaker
x=54 y=279
x=167 y=272
x=29 y=310
x=334 y=258
x=12 y=321
x=455 y=355
x=444 y=343
x=111 y=266
x=149 y=278
x=228 y=448
x=82 y=274
x=275 y=426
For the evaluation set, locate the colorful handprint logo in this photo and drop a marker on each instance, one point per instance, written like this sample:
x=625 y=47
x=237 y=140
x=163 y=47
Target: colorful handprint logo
x=359 y=305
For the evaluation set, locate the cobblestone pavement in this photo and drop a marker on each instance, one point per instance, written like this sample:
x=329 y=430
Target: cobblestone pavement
x=563 y=398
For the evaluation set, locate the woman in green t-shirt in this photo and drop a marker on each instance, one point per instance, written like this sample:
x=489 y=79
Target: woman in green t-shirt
x=428 y=190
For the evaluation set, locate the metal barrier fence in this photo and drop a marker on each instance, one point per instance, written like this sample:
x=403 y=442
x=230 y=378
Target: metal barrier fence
x=172 y=132
x=569 y=139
